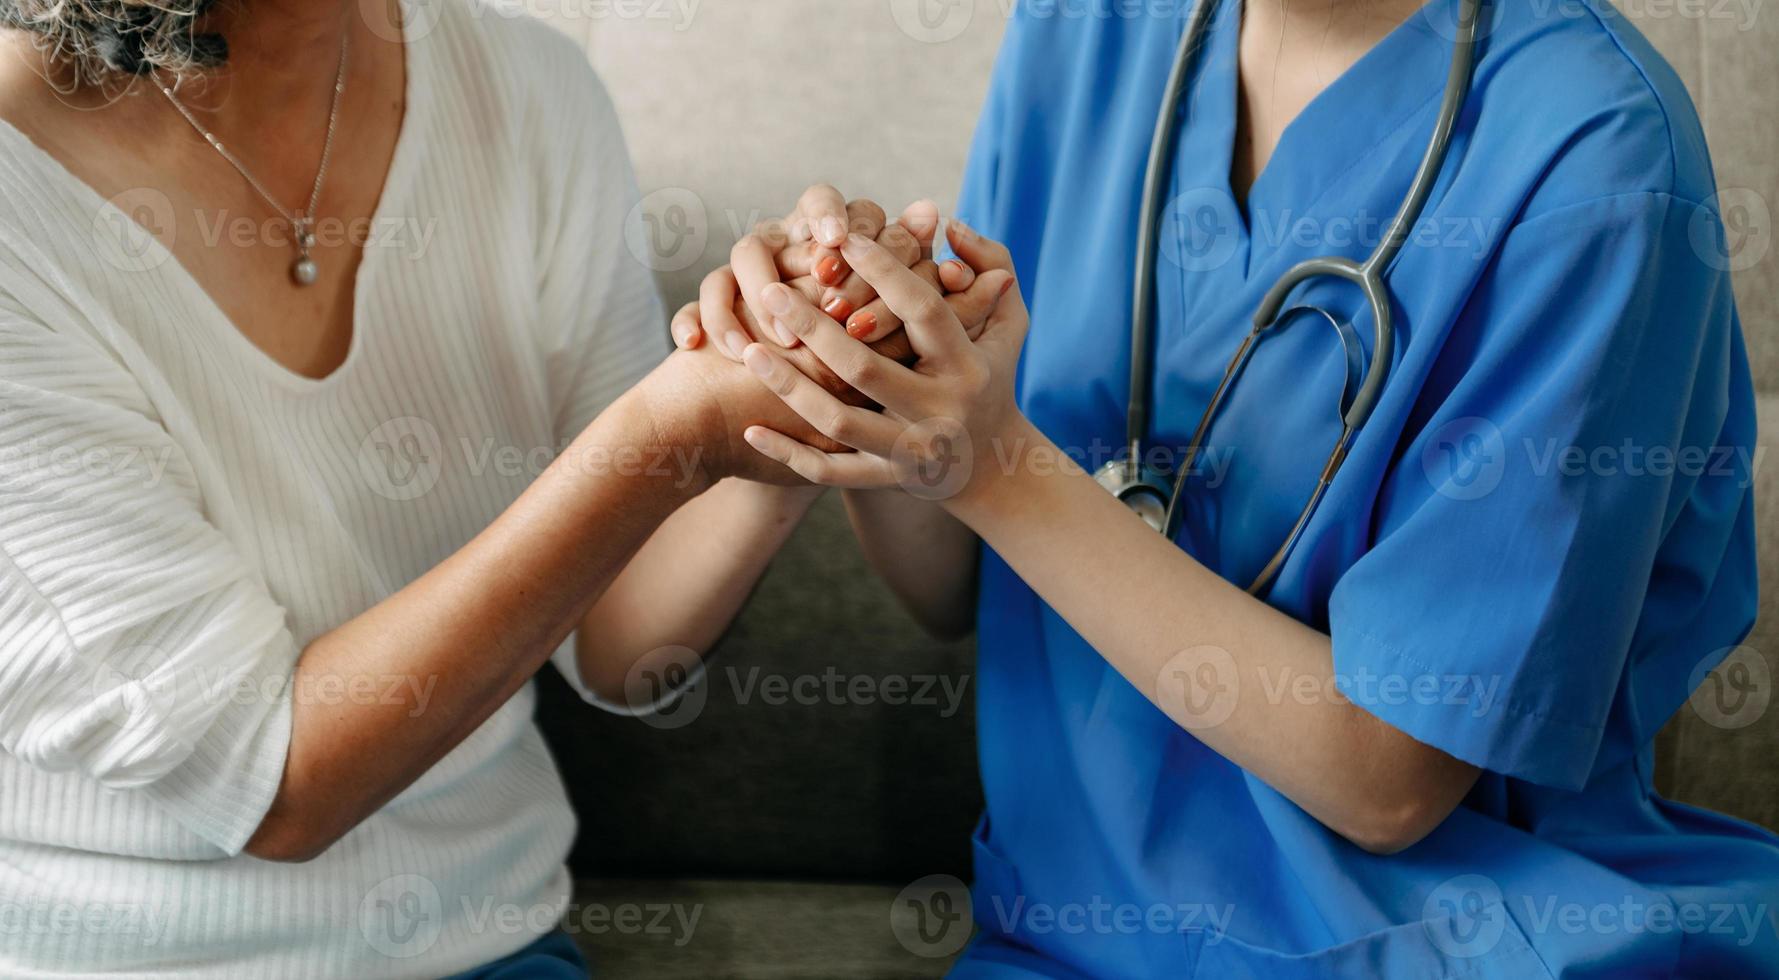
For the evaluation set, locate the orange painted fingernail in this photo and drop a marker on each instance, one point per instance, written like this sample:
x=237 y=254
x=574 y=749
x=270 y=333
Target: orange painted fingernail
x=862 y=324
x=829 y=271
x=838 y=308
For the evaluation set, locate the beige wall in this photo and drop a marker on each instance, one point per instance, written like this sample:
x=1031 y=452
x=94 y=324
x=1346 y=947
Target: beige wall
x=744 y=102
x=733 y=106
x=738 y=108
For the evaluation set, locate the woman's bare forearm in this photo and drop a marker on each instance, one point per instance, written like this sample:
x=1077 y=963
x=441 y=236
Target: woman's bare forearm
x=927 y=557
x=689 y=581
x=470 y=632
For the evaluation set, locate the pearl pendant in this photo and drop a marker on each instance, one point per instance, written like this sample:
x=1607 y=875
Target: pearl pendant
x=305 y=271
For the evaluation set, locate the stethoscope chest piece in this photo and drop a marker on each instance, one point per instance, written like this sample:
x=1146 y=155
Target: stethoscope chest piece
x=1141 y=488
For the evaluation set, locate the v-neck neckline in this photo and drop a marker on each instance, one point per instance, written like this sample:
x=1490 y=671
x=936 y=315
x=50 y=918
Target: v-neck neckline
x=156 y=258
x=1219 y=78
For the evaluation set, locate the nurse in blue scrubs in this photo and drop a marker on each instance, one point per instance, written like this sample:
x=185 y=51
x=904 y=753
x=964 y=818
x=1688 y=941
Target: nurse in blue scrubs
x=1425 y=750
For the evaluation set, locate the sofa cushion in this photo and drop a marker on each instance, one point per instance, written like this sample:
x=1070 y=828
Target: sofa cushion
x=693 y=929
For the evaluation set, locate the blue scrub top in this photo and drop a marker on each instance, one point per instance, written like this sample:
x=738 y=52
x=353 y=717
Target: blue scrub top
x=1525 y=562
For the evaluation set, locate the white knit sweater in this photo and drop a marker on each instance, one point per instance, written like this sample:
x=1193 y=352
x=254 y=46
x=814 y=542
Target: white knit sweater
x=180 y=516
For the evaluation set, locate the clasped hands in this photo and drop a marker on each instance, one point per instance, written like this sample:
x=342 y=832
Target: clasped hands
x=894 y=369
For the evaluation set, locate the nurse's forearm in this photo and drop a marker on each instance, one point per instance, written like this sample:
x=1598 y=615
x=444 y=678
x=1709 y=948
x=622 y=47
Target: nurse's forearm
x=467 y=634
x=686 y=585
x=927 y=557
x=1161 y=619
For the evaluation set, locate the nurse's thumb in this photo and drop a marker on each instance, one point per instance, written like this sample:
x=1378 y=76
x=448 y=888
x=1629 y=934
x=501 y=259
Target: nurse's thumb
x=976 y=306
x=981 y=252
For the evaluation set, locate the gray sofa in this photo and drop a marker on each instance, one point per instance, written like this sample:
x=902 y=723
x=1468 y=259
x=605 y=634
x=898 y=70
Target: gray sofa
x=789 y=824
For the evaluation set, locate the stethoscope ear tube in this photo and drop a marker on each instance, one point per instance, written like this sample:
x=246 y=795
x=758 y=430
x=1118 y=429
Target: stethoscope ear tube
x=1451 y=105
x=1155 y=181
x=1358 y=403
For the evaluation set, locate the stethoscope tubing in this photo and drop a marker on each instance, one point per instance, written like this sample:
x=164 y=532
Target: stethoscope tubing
x=1155 y=183
x=1370 y=274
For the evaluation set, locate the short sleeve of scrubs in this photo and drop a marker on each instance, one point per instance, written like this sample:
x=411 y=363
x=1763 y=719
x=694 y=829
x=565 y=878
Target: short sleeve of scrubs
x=1568 y=430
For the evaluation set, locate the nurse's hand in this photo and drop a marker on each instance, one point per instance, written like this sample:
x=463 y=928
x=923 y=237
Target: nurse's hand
x=954 y=277
x=793 y=251
x=689 y=322
x=724 y=399
x=943 y=417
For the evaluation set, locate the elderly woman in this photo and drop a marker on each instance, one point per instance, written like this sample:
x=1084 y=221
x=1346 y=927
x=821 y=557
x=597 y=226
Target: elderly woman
x=326 y=419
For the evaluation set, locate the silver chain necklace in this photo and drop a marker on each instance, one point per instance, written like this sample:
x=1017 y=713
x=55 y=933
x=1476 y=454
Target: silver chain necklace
x=303 y=271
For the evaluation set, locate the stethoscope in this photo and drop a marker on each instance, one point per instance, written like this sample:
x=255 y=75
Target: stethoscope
x=1143 y=487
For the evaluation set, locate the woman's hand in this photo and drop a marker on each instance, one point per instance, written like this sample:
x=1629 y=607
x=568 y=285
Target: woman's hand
x=701 y=403
x=888 y=338
x=788 y=251
x=709 y=401
x=942 y=416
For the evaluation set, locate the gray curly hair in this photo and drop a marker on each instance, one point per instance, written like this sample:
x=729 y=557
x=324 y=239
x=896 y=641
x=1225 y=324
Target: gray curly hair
x=107 y=41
